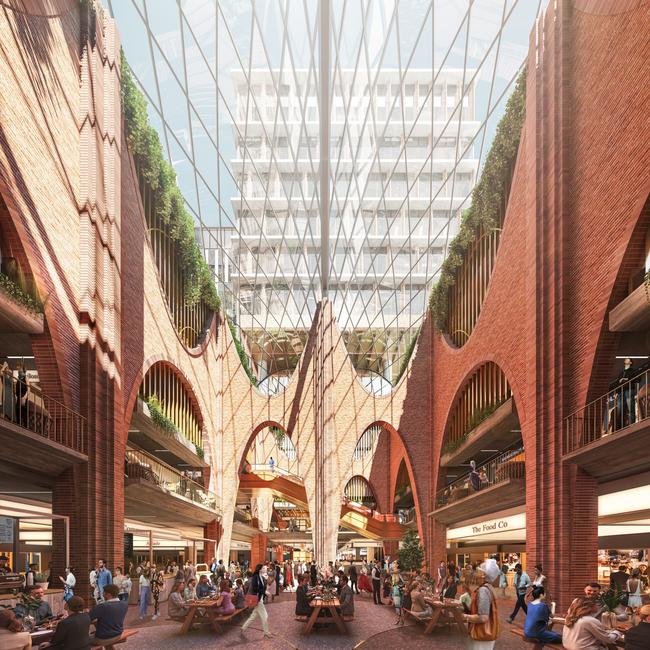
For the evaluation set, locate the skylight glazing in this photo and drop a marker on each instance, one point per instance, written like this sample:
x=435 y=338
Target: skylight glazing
x=415 y=89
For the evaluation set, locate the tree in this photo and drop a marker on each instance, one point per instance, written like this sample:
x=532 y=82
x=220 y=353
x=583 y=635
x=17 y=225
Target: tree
x=410 y=555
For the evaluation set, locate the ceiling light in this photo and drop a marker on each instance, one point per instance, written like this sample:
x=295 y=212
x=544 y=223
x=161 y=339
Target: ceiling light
x=625 y=356
x=488 y=450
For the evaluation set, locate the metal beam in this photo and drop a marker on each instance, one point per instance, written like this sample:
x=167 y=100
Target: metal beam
x=324 y=110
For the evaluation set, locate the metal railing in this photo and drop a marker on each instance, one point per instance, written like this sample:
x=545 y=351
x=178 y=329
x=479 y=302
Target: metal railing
x=28 y=407
x=138 y=464
x=509 y=464
x=406 y=515
x=621 y=407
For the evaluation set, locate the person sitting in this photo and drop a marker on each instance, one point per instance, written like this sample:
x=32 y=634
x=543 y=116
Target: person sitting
x=40 y=611
x=177 y=608
x=583 y=630
x=226 y=605
x=204 y=587
x=109 y=617
x=449 y=588
x=72 y=633
x=419 y=607
x=464 y=595
x=638 y=637
x=238 y=596
x=190 y=590
x=346 y=598
x=303 y=608
x=537 y=618
x=11 y=635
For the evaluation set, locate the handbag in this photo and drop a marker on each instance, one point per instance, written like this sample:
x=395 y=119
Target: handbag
x=484 y=631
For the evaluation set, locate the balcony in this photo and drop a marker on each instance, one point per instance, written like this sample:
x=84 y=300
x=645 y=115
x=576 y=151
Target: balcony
x=20 y=312
x=37 y=432
x=498 y=431
x=632 y=314
x=496 y=485
x=146 y=435
x=153 y=489
x=608 y=438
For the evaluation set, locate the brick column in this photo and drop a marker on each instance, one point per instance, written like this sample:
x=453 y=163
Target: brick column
x=213 y=530
x=258 y=549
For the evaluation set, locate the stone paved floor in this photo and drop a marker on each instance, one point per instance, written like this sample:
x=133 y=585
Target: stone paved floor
x=373 y=629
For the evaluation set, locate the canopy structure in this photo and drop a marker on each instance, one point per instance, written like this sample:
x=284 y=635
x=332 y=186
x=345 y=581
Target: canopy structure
x=326 y=149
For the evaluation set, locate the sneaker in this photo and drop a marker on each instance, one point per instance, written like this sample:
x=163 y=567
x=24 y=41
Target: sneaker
x=509 y=619
x=154 y=617
x=268 y=635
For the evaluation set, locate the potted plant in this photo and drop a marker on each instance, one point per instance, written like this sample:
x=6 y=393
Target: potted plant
x=610 y=600
x=41 y=579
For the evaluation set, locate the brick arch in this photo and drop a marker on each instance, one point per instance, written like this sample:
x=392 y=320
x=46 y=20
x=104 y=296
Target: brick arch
x=257 y=429
x=401 y=454
x=515 y=387
x=373 y=492
x=182 y=376
x=51 y=349
x=607 y=342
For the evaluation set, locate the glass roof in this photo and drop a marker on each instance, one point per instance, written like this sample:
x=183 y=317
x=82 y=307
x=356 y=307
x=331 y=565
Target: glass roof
x=336 y=168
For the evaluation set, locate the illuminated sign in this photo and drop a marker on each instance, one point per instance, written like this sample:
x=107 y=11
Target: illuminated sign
x=490 y=526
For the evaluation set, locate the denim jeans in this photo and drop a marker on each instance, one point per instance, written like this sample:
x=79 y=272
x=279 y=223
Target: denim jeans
x=521 y=604
x=144 y=600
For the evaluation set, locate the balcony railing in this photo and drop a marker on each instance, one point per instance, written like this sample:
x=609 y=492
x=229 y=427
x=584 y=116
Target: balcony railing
x=139 y=464
x=508 y=465
x=28 y=407
x=619 y=408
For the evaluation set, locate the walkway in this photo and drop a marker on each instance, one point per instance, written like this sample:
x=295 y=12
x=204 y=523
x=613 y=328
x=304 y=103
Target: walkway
x=373 y=629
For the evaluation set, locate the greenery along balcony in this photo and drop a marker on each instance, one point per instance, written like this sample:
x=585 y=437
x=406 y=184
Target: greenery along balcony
x=184 y=274
x=21 y=310
x=148 y=480
x=457 y=297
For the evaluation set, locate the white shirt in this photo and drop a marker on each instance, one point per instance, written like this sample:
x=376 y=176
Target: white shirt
x=144 y=581
x=70 y=580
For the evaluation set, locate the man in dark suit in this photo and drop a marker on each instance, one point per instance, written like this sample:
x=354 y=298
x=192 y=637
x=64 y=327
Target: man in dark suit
x=618 y=579
x=353 y=579
x=638 y=637
x=346 y=598
x=376 y=584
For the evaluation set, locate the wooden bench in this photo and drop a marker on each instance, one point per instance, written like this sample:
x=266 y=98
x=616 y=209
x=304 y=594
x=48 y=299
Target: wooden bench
x=224 y=618
x=538 y=645
x=123 y=639
x=301 y=618
x=413 y=615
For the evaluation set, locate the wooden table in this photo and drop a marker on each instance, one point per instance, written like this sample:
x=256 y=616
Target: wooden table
x=452 y=607
x=333 y=606
x=207 y=617
x=41 y=636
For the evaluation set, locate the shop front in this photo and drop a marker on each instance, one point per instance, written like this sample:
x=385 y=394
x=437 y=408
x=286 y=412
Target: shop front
x=502 y=536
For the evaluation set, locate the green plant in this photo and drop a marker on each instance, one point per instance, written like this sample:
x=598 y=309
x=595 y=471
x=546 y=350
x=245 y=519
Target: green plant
x=8 y=286
x=611 y=598
x=278 y=434
x=488 y=198
x=410 y=554
x=159 y=175
x=200 y=451
x=477 y=417
x=158 y=417
x=407 y=356
x=243 y=357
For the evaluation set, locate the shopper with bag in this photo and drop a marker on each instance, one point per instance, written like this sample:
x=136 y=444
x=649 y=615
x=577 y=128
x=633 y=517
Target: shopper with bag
x=258 y=589
x=483 y=619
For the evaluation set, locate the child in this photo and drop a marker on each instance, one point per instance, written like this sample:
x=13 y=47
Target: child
x=397 y=602
x=464 y=596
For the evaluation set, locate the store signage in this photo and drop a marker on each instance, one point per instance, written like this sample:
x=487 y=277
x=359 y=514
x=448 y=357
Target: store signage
x=128 y=545
x=6 y=530
x=490 y=526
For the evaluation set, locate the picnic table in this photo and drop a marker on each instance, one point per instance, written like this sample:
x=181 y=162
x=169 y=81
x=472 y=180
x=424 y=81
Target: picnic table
x=332 y=606
x=41 y=636
x=204 y=611
x=454 y=608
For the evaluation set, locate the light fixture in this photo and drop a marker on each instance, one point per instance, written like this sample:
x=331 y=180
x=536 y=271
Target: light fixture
x=625 y=356
x=24 y=356
x=162 y=450
x=488 y=450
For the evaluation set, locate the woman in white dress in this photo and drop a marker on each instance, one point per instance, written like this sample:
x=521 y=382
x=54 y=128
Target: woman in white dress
x=634 y=590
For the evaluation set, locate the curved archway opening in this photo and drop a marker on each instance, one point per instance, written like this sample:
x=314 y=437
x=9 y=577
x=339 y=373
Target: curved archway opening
x=359 y=491
x=481 y=489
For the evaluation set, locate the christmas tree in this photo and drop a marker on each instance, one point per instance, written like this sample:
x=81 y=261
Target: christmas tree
x=410 y=555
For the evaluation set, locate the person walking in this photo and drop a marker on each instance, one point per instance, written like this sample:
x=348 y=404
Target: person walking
x=521 y=583
x=483 y=619
x=633 y=587
x=157 y=581
x=442 y=576
x=353 y=579
x=257 y=589
x=69 y=583
x=145 y=590
x=376 y=584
